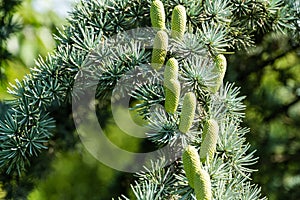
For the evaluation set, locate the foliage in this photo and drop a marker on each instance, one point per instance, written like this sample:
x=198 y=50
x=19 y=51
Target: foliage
x=271 y=82
x=216 y=27
x=8 y=26
x=33 y=39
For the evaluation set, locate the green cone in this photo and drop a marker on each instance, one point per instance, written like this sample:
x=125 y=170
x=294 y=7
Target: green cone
x=157 y=15
x=178 y=22
x=220 y=69
x=172 y=93
x=160 y=48
x=171 y=70
x=209 y=139
x=188 y=112
x=202 y=185
x=191 y=163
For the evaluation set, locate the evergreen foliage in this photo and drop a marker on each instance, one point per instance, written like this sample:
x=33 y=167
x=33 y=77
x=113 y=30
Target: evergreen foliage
x=269 y=75
x=8 y=26
x=216 y=27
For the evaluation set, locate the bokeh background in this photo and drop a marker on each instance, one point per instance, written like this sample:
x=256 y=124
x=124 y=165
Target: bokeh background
x=269 y=75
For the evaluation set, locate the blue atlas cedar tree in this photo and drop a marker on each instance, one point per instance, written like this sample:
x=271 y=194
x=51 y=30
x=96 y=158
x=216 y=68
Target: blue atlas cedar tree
x=215 y=28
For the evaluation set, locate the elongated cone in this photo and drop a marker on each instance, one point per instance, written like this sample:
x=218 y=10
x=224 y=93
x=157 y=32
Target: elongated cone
x=171 y=70
x=172 y=93
x=178 y=22
x=191 y=163
x=202 y=185
x=160 y=48
x=220 y=69
x=157 y=15
x=209 y=139
x=188 y=112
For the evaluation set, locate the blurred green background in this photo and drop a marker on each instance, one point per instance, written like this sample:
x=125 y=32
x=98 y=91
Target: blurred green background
x=269 y=75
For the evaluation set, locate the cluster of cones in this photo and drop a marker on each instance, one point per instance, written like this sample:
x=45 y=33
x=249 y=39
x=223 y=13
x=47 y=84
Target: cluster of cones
x=198 y=177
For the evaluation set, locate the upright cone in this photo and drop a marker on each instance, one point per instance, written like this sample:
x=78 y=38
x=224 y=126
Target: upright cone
x=172 y=95
x=157 y=15
x=171 y=70
x=178 y=22
x=209 y=139
x=188 y=112
x=191 y=163
x=220 y=69
x=202 y=185
x=160 y=48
